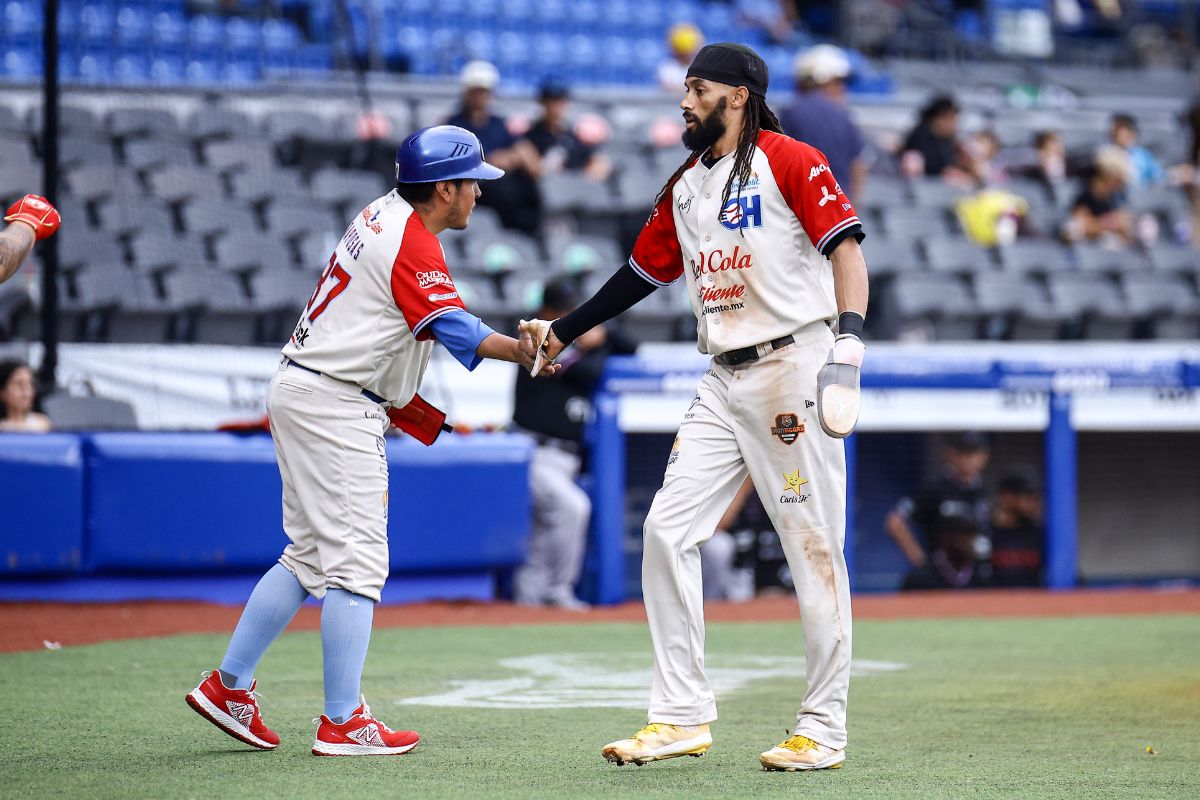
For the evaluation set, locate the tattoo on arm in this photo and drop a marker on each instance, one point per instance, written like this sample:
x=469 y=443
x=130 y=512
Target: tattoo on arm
x=15 y=243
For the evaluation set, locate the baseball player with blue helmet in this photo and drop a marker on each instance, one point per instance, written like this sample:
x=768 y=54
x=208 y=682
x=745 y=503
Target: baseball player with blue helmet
x=351 y=368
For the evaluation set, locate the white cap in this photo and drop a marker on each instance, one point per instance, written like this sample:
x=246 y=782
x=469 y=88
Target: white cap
x=479 y=75
x=822 y=64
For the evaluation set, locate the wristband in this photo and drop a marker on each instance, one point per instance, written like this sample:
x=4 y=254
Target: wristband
x=850 y=322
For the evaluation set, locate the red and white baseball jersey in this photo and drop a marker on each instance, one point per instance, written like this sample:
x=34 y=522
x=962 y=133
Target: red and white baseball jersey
x=755 y=268
x=368 y=319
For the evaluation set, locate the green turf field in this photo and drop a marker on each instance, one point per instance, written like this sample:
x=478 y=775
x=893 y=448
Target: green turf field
x=981 y=709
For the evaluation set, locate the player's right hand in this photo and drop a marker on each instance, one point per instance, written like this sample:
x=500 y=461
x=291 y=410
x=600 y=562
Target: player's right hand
x=37 y=213
x=838 y=386
x=544 y=341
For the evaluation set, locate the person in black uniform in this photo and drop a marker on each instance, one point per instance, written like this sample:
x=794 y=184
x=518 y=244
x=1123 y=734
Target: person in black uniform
x=956 y=493
x=1018 y=534
x=958 y=558
x=557 y=144
x=554 y=412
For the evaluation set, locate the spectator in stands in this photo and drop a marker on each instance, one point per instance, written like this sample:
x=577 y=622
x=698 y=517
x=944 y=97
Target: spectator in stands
x=983 y=150
x=557 y=145
x=958 y=558
x=1018 y=536
x=932 y=149
x=1099 y=211
x=17 y=394
x=1050 y=167
x=956 y=493
x=553 y=412
x=1146 y=169
x=515 y=197
x=819 y=115
x=684 y=40
x=775 y=18
x=29 y=219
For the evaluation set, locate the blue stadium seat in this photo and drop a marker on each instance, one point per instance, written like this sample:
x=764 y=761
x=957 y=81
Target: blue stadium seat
x=23 y=62
x=131 y=70
x=205 y=37
x=95 y=67
x=203 y=70
x=166 y=70
x=22 y=23
x=133 y=26
x=96 y=24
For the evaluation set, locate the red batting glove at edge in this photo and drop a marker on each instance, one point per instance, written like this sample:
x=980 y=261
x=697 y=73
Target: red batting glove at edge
x=37 y=213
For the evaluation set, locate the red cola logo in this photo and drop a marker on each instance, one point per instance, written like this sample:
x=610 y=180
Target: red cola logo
x=717 y=261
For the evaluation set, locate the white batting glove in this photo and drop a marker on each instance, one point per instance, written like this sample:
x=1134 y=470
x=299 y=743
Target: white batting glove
x=539 y=331
x=838 y=392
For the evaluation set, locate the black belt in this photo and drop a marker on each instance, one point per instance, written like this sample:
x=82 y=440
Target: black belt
x=367 y=393
x=742 y=355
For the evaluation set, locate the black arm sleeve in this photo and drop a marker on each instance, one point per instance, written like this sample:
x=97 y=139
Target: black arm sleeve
x=623 y=291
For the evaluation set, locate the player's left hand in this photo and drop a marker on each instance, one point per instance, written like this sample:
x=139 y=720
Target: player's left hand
x=36 y=212
x=838 y=386
x=539 y=333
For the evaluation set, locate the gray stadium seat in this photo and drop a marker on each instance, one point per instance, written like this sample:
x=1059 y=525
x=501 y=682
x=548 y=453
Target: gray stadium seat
x=1094 y=303
x=82 y=248
x=578 y=254
x=956 y=255
x=1175 y=258
x=134 y=311
x=880 y=192
x=128 y=122
x=937 y=304
x=564 y=192
x=314 y=250
x=251 y=251
x=1015 y=306
x=85 y=151
x=350 y=190
x=502 y=252
x=206 y=215
x=218 y=311
x=128 y=214
x=95 y=182
x=936 y=193
x=296 y=216
x=146 y=153
x=72 y=413
x=282 y=125
x=71 y=118
x=219 y=123
x=9 y=121
x=1090 y=257
x=257 y=185
x=20 y=177
x=17 y=149
x=180 y=183
x=637 y=188
x=1166 y=303
x=915 y=224
x=241 y=154
x=156 y=251
x=888 y=256
x=1034 y=256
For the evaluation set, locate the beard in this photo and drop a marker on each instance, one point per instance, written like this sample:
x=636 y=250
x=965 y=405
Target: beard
x=707 y=131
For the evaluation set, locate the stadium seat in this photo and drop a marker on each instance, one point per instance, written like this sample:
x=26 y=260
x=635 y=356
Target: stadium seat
x=217 y=309
x=206 y=215
x=349 y=190
x=16 y=149
x=1034 y=256
x=580 y=254
x=936 y=306
x=1094 y=303
x=314 y=250
x=888 y=256
x=98 y=182
x=1168 y=258
x=880 y=192
x=257 y=185
x=142 y=154
x=239 y=154
x=1091 y=257
x=915 y=224
x=79 y=150
x=158 y=251
x=564 y=192
x=1014 y=306
x=287 y=217
x=1167 y=304
x=71 y=119
x=502 y=252
x=81 y=248
x=936 y=193
x=282 y=125
x=251 y=251
x=89 y=413
x=124 y=123
x=122 y=215
x=180 y=183
x=956 y=256
x=219 y=123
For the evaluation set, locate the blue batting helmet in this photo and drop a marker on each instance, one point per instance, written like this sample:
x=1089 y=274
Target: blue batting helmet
x=442 y=153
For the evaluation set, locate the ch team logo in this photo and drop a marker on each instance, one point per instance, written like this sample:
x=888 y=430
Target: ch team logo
x=741 y=213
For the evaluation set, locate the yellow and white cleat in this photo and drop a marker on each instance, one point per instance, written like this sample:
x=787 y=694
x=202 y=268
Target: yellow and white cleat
x=800 y=753
x=658 y=741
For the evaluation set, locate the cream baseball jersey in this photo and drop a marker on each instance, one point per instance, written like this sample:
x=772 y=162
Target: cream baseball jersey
x=756 y=269
x=367 y=321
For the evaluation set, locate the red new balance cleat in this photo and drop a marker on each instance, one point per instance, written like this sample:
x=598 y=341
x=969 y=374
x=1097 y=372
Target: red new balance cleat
x=234 y=711
x=361 y=735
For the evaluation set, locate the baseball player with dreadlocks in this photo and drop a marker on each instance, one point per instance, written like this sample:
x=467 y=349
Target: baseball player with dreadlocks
x=769 y=246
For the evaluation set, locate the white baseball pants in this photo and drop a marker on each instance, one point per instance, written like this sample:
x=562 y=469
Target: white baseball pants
x=330 y=446
x=742 y=420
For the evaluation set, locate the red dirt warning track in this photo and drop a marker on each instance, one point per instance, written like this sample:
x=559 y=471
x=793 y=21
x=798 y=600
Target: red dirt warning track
x=29 y=626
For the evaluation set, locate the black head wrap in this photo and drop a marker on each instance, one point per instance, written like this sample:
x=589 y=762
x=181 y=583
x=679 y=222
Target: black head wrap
x=732 y=64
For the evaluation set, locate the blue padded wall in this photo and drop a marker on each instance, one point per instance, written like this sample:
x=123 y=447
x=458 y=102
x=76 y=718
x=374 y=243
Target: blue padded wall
x=41 y=503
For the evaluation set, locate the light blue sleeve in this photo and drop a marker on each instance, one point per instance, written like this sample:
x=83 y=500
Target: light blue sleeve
x=460 y=332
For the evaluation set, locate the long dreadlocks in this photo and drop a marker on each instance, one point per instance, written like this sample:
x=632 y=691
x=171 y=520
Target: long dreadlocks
x=758 y=117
